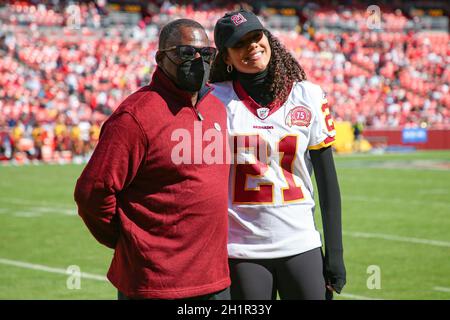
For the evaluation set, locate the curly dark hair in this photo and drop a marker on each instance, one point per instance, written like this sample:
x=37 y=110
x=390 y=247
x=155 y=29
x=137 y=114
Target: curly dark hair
x=283 y=69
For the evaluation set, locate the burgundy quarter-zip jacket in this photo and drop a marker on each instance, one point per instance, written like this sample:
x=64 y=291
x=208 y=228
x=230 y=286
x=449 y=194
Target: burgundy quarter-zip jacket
x=167 y=222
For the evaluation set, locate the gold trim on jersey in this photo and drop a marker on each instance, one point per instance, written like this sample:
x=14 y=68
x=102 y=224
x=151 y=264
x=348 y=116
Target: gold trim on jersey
x=247 y=175
x=328 y=119
x=329 y=124
x=323 y=144
x=292 y=169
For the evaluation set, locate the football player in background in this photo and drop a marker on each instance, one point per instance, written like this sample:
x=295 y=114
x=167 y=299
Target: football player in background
x=282 y=130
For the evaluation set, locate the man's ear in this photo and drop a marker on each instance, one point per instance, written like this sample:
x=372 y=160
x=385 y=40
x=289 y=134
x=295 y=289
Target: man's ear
x=159 y=57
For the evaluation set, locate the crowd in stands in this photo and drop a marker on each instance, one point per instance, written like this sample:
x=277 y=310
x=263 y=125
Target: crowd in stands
x=60 y=79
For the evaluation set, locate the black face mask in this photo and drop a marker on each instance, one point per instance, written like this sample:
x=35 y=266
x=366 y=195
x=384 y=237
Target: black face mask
x=192 y=74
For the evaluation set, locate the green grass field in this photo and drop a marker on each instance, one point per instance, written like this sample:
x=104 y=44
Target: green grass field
x=396 y=215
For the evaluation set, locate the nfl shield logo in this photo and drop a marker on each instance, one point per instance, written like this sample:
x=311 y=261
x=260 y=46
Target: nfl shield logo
x=263 y=113
x=238 y=19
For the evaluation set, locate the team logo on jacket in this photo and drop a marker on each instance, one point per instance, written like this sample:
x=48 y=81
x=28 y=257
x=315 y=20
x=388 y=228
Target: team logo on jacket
x=263 y=113
x=299 y=116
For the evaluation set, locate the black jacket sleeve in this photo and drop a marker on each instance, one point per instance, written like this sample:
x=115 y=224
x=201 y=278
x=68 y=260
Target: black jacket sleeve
x=330 y=206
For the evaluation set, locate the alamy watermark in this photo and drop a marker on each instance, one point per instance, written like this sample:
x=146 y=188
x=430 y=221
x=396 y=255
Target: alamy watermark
x=373 y=21
x=374 y=279
x=73 y=13
x=73 y=281
x=215 y=146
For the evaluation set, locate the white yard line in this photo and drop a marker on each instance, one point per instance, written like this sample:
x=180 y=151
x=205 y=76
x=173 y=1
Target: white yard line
x=395 y=164
x=27 y=202
x=39 y=212
x=35 y=209
x=355 y=297
x=391 y=237
x=38 y=267
x=386 y=200
x=434 y=191
x=441 y=289
x=27 y=214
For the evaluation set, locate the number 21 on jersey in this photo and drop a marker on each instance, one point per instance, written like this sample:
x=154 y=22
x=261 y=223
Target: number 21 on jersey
x=254 y=163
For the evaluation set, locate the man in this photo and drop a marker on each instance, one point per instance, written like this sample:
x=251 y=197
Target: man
x=167 y=222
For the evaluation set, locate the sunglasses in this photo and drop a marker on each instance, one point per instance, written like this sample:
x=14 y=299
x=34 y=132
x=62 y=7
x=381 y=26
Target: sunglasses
x=251 y=37
x=187 y=52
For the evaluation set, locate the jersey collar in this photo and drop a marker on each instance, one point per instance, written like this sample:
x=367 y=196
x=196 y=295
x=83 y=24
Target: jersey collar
x=252 y=105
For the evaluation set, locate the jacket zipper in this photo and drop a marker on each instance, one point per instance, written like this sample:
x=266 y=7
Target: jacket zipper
x=199 y=115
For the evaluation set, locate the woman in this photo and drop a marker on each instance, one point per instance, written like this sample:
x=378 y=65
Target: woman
x=281 y=129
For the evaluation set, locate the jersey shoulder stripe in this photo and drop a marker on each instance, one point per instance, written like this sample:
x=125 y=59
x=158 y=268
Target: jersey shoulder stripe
x=326 y=143
x=325 y=132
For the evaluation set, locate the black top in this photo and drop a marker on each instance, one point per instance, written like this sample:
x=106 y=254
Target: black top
x=256 y=86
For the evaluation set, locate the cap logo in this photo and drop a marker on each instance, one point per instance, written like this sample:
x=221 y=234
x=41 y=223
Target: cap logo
x=238 y=19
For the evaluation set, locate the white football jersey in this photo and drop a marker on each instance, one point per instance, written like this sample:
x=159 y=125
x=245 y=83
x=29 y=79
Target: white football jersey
x=271 y=202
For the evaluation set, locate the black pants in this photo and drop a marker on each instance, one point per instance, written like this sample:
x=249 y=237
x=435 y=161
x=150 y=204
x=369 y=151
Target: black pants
x=298 y=277
x=220 y=295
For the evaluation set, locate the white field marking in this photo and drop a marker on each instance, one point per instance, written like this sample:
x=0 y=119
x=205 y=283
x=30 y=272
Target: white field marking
x=38 y=267
x=434 y=191
x=26 y=202
x=32 y=266
x=442 y=289
x=418 y=164
x=355 y=297
x=69 y=212
x=391 y=237
x=394 y=180
x=392 y=200
x=26 y=214
x=38 y=212
x=37 y=208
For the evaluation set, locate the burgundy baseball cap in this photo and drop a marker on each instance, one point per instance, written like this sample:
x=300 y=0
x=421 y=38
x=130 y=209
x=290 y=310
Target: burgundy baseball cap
x=233 y=26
